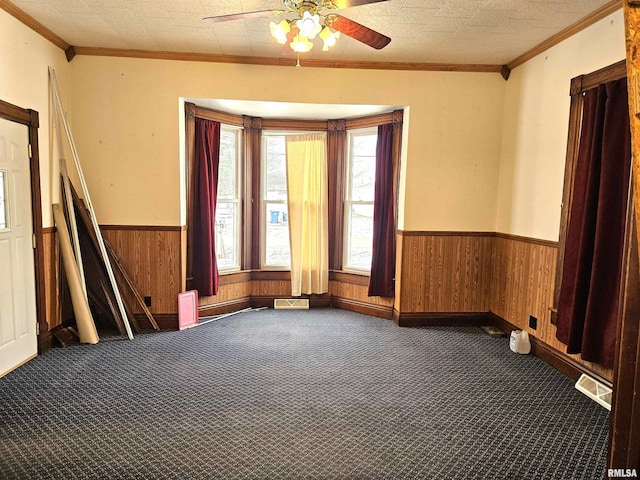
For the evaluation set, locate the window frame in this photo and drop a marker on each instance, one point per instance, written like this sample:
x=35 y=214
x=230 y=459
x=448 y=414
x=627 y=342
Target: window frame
x=264 y=201
x=347 y=203
x=579 y=85
x=272 y=132
x=237 y=200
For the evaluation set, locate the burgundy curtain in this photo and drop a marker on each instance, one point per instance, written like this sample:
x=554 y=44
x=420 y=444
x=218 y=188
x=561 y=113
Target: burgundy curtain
x=207 y=156
x=588 y=303
x=383 y=260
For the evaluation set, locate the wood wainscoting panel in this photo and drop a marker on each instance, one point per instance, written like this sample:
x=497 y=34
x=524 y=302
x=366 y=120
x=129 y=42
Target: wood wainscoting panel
x=152 y=257
x=354 y=297
x=271 y=288
x=523 y=280
x=227 y=293
x=360 y=293
x=445 y=271
x=398 y=279
x=522 y=284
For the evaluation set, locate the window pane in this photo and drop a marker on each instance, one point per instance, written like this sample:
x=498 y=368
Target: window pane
x=3 y=208
x=227 y=169
x=275 y=169
x=277 y=252
x=365 y=144
x=363 y=167
x=227 y=235
x=360 y=235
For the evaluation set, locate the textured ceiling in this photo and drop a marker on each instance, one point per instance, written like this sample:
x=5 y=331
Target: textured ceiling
x=424 y=31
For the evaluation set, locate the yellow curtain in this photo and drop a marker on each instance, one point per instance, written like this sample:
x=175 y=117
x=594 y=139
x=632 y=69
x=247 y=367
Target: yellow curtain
x=308 y=213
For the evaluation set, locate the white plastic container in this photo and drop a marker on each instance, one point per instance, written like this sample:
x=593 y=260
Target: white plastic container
x=519 y=342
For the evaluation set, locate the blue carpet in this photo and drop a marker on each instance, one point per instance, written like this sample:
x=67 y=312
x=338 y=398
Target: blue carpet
x=319 y=394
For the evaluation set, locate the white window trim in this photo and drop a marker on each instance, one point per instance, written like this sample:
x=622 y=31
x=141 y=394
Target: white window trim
x=264 y=201
x=348 y=203
x=237 y=200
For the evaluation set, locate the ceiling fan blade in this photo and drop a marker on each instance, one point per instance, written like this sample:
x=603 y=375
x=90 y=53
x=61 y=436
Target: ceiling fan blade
x=359 y=32
x=354 y=3
x=240 y=16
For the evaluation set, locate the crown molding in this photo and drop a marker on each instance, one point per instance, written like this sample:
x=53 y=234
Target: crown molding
x=595 y=16
x=286 y=61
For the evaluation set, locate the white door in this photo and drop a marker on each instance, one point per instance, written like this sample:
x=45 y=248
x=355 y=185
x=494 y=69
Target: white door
x=18 y=341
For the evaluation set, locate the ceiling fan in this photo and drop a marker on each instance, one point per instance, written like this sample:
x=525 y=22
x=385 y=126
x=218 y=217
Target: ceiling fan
x=313 y=18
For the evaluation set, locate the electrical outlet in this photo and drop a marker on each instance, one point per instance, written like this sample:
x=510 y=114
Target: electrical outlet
x=533 y=322
x=147 y=301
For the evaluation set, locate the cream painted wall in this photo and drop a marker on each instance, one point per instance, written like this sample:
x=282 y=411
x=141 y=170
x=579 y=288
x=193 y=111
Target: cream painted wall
x=126 y=124
x=536 y=118
x=24 y=60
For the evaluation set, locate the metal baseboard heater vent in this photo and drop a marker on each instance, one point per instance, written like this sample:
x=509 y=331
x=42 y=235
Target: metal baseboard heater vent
x=595 y=390
x=291 y=304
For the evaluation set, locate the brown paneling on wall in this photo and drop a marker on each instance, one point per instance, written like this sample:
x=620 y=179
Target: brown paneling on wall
x=259 y=288
x=352 y=295
x=446 y=275
x=523 y=276
x=227 y=293
x=445 y=272
x=152 y=258
x=522 y=284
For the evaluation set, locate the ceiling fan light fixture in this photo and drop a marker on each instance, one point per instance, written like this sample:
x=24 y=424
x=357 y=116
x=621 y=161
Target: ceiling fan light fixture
x=279 y=31
x=309 y=25
x=301 y=44
x=329 y=38
x=313 y=18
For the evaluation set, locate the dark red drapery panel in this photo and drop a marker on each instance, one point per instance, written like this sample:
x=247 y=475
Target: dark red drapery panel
x=207 y=156
x=589 y=293
x=383 y=261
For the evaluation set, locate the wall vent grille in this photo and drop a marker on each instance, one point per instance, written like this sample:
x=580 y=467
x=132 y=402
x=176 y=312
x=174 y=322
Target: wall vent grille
x=291 y=304
x=595 y=390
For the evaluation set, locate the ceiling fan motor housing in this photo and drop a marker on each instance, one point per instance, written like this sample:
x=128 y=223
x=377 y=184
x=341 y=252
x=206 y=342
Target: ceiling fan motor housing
x=311 y=6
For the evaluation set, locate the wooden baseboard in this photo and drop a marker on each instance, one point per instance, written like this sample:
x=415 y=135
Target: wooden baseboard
x=45 y=341
x=379 y=311
x=545 y=352
x=441 y=319
x=166 y=321
x=224 y=307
